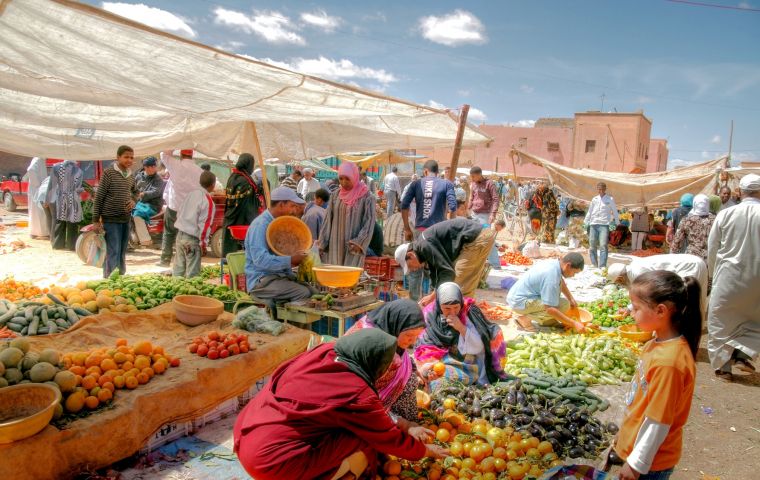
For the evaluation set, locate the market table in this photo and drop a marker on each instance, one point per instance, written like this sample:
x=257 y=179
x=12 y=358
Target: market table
x=298 y=312
x=194 y=388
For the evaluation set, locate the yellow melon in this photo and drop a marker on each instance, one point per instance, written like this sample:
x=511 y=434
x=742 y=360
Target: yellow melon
x=104 y=301
x=75 y=299
x=82 y=285
x=92 y=306
x=88 y=294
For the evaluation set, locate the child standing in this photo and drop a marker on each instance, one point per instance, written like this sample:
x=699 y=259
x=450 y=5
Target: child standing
x=660 y=393
x=193 y=225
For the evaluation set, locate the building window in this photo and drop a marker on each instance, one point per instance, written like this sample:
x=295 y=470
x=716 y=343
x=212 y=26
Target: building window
x=552 y=146
x=590 y=146
x=522 y=142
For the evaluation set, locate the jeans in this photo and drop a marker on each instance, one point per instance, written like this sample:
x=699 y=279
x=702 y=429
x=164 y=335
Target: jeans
x=659 y=475
x=416 y=282
x=170 y=235
x=117 y=239
x=187 y=263
x=598 y=235
x=391 y=199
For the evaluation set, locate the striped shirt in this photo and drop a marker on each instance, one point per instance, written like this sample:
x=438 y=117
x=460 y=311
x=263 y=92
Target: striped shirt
x=113 y=196
x=290 y=182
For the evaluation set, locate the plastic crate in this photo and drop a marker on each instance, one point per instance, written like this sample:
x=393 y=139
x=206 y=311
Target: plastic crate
x=248 y=395
x=329 y=326
x=223 y=410
x=165 y=434
x=240 y=281
x=379 y=267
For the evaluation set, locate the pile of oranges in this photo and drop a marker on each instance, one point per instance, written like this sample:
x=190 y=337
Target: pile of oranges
x=15 y=290
x=100 y=372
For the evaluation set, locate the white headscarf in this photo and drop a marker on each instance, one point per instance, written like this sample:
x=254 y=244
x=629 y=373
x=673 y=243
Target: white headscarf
x=700 y=206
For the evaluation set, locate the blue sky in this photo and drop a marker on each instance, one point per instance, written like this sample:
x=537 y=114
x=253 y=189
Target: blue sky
x=691 y=68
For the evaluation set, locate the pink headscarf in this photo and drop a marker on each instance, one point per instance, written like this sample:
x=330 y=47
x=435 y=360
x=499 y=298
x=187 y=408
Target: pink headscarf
x=349 y=197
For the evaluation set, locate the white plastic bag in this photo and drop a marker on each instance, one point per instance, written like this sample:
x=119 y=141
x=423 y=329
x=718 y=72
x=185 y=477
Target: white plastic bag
x=531 y=249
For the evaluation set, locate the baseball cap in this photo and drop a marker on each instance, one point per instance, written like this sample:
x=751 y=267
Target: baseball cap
x=615 y=271
x=149 y=162
x=284 y=194
x=401 y=256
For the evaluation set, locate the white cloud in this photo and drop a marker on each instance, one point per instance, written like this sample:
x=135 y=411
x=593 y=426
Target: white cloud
x=522 y=123
x=272 y=26
x=674 y=163
x=458 y=28
x=708 y=155
x=438 y=105
x=152 y=17
x=715 y=139
x=643 y=100
x=343 y=70
x=526 y=89
x=476 y=115
x=321 y=19
x=230 y=46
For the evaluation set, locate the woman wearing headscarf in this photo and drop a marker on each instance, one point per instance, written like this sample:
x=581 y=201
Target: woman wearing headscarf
x=715 y=204
x=458 y=334
x=549 y=213
x=320 y=417
x=678 y=214
x=39 y=225
x=349 y=220
x=243 y=201
x=692 y=233
x=397 y=387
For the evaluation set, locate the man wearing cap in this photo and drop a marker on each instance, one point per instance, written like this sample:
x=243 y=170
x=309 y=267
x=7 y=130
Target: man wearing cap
x=451 y=251
x=733 y=250
x=308 y=185
x=682 y=264
x=184 y=177
x=269 y=277
x=150 y=188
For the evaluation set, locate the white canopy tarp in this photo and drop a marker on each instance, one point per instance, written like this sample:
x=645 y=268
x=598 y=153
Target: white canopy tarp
x=77 y=82
x=659 y=189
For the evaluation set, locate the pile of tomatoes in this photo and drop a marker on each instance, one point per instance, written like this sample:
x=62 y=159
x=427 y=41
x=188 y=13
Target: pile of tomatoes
x=515 y=258
x=215 y=345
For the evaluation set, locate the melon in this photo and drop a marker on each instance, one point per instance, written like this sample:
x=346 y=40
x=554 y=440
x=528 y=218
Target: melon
x=2 y=369
x=66 y=381
x=30 y=359
x=21 y=343
x=104 y=301
x=92 y=306
x=11 y=357
x=88 y=295
x=3 y=382
x=13 y=376
x=42 y=372
x=50 y=356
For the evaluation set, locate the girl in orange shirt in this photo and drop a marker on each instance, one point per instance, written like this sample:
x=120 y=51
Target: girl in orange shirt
x=659 y=397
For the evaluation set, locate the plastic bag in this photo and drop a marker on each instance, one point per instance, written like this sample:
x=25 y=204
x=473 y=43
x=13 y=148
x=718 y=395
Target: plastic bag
x=532 y=250
x=96 y=252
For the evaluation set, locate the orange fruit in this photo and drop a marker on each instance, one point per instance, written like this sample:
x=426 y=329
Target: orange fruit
x=105 y=379
x=143 y=378
x=149 y=372
x=143 y=348
x=131 y=382
x=119 y=357
x=446 y=425
x=93 y=360
x=108 y=364
x=74 y=402
x=127 y=366
x=142 y=362
x=132 y=373
x=79 y=358
x=156 y=357
x=105 y=395
x=392 y=467
x=159 y=367
x=91 y=402
x=119 y=381
x=121 y=342
x=443 y=435
x=439 y=368
x=89 y=382
x=158 y=350
x=78 y=370
x=123 y=349
x=94 y=391
x=108 y=386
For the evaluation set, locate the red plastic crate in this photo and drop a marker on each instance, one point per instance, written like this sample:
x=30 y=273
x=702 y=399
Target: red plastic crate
x=380 y=267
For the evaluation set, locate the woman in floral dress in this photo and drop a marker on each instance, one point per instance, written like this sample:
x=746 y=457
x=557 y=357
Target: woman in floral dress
x=695 y=228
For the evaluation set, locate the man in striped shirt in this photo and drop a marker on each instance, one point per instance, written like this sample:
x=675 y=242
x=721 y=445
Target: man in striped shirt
x=193 y=224
x=112 y=209
x=291 y=181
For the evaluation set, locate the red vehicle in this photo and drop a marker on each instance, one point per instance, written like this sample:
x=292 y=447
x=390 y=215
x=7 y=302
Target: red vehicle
x=14 y=189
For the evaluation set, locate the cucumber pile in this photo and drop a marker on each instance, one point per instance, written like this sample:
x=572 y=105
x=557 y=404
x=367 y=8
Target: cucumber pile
x=562 y=388
x=35 y=318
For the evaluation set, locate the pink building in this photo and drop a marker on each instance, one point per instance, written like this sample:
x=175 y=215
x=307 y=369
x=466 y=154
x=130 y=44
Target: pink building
x=658 y=155
x=611 y=142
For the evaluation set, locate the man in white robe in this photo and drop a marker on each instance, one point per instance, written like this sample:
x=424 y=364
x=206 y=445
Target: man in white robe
x=36 y=174
x=733 y=258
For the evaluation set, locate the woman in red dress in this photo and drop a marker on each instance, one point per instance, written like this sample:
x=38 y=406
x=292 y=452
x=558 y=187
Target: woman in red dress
x=319 y=417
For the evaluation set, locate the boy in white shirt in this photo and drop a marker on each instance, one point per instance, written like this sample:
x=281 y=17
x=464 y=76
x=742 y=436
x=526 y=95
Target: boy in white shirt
x=194 y=219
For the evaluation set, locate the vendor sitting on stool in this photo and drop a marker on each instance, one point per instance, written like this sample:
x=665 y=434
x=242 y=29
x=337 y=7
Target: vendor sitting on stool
x=269 y=277
x=535 y=297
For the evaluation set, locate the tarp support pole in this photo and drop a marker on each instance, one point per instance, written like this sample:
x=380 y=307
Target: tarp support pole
x=251 y=141
x=458 y=142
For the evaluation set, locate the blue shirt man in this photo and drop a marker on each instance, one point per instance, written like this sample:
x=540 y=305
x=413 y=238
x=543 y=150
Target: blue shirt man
x=432 y=195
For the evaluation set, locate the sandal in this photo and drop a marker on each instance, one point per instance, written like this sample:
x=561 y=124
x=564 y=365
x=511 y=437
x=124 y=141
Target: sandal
x=724 y=376
x=744 y=365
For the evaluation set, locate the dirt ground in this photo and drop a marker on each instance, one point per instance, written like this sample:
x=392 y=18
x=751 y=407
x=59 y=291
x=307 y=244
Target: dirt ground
x=721 y=438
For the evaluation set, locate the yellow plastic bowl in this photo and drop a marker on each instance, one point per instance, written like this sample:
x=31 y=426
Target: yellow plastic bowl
x=632 y=332
x=337 y=276
x=581 y=314
x=193 y=310
x=288 y=235
x=26 y=409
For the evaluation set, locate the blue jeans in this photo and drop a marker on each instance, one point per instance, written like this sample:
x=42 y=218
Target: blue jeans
x=659 y=475
x=416 y=283
x=598 y=235
x=117 y=239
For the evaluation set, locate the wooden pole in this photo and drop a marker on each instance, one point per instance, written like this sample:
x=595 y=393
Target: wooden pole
x=260 y=157
x=730 y=142
x=458 y=141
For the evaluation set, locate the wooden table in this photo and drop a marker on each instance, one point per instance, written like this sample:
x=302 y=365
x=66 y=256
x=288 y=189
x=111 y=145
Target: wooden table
x=298 y=312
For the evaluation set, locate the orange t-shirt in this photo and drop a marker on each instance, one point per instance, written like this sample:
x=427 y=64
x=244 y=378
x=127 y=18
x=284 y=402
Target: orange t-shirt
x=661 y=390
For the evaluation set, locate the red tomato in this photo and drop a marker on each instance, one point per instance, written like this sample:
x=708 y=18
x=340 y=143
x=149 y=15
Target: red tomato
x=175 y=362
x=213 y=354
x=234 y=349
x=202 y=350
x=213 y=344
x=213 y=335
x=244 y=347
x=224 y=354
x=193 y=347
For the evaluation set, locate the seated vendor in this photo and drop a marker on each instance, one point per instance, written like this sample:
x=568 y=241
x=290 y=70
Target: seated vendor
x=459 y=335
x=269 y=277
x=536 y=295
x=320 y=416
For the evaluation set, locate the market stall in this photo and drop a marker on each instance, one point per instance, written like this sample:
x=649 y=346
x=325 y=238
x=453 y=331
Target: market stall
x=181 y=394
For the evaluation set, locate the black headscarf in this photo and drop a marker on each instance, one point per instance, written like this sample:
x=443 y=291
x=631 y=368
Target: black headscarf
x=397 y=316
x=245 y=163
x=368 y=353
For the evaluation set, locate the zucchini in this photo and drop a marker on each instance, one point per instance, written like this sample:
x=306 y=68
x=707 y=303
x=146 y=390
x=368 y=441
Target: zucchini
x=42 y=331
x=44 y=316
x=16 y=327
x=61 y=312
x=81 y=311
x=53 y=329
x=55 y=299
x=20 y=320
x=72 y=316
x=24 y=331
x=34 y=326
x=38 y=309
x=536 y=383
x=548 y=393
x=61 y=323
x=29 y=313
x=3 y=307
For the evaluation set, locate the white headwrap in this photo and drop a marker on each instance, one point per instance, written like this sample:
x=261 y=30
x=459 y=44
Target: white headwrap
x=700 y=206
x=750 y=183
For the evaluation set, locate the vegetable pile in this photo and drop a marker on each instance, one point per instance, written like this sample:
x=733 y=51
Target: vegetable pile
x=35 y=318
x=215 y=345
x=495 y=311
x=516 y=258
x=255 y=319
x=14 y=290
x=605 y=310
x=601 y=359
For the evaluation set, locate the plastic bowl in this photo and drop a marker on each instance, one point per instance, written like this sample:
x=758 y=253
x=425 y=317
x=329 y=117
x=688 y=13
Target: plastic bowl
x=337 y=276
x=193 y=310
x=238 y=232
x=632 y=332
x=26 y=410
x=581 y=314
x=288 y=235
